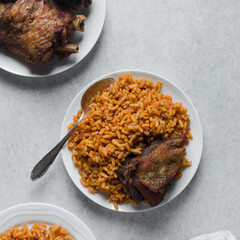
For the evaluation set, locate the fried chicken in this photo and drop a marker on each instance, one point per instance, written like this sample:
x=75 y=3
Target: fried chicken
x=38 y=29
x=148 y=175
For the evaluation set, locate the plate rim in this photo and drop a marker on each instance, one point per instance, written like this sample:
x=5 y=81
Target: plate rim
x=104 y=2
x=38 y=205
x=137 y=71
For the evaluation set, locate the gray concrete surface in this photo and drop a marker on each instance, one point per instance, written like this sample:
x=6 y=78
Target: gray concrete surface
x=195 y=44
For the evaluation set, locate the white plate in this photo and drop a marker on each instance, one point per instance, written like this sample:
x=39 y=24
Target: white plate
x=30 y=213
x=194 y=148
x=93 y=27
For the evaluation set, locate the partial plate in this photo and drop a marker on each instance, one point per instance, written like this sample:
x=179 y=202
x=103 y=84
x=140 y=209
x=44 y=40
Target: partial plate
x=194 y=148
x=30 y=213
x=93 y=27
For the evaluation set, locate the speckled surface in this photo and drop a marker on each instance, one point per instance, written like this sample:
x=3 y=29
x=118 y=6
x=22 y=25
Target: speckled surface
x=195 y=44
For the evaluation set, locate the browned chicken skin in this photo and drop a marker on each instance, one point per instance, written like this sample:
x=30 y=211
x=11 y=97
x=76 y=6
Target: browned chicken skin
x=38 y=29
x=147 y=175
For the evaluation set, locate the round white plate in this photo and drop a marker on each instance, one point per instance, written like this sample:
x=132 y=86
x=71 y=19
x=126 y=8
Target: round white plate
x=194 y=148
x=30 y=213
x=93 y=26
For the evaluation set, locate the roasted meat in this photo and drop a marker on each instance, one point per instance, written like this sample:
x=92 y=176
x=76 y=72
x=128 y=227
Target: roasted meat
x=147 y=176
x=38 y=29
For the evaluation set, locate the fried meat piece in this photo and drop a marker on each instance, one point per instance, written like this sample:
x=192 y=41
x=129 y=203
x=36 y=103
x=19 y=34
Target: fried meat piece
x=148 y=175
x=38 y=29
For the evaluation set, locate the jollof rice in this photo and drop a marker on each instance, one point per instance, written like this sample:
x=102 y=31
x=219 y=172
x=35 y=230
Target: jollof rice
x=36 y=232
x=118 y=123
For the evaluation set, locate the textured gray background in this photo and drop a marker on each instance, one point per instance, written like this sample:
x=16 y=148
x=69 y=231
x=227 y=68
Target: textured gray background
x=194 y=43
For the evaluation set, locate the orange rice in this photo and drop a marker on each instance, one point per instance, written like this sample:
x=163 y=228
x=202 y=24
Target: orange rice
x=118 y=121
x=37 y=231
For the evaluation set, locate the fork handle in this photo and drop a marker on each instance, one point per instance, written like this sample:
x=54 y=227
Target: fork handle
x=43 y=165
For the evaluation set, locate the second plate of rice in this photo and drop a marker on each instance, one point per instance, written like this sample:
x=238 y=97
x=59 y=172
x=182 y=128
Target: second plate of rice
x=119 y=119
x=35 y=221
